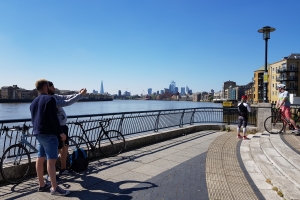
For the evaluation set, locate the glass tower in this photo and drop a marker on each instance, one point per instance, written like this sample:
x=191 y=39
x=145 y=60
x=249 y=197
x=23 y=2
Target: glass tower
x=101 y=89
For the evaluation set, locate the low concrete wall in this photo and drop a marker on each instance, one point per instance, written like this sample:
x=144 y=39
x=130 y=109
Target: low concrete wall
x=137 y=141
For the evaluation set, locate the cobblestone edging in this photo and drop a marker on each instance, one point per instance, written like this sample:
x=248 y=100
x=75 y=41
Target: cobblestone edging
x=224 y=176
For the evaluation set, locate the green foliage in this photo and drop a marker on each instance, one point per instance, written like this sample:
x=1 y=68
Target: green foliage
x=135 y=97
x=153 y=96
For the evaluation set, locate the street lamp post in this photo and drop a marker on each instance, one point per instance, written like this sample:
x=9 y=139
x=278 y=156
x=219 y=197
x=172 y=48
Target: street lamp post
x=266 y=30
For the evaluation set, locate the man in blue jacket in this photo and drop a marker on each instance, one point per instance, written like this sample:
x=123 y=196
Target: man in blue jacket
x=46 y=129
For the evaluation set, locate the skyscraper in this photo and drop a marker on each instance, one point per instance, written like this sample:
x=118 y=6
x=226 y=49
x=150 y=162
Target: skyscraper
x=101 y=89
x=182 y=92
x=176 y=90
x=172 y=87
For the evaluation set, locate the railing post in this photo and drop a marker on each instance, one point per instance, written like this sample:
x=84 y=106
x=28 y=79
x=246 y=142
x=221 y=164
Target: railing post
x=156 y=122
x=226 y=115
x=121 y=123
x=192 y=117
x=229 y=117
x=181 y=119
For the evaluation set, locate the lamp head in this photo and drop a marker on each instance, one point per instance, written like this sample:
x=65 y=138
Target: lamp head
x=266 y=30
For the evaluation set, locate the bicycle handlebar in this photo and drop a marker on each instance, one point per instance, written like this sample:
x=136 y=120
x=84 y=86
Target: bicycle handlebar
x=103 y=123
x=77 y=123
x=16 y=128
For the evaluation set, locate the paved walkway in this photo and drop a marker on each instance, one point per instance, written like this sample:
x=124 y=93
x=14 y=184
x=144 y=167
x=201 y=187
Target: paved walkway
x=202 y=165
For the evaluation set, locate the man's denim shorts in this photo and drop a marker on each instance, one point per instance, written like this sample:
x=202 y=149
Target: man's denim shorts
x=47 y=146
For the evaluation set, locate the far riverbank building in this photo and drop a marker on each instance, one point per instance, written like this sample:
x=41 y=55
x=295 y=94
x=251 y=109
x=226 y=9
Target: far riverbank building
x=284 y=71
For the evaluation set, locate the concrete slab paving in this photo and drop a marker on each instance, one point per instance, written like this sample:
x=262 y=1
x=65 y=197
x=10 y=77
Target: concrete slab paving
x=166 y=169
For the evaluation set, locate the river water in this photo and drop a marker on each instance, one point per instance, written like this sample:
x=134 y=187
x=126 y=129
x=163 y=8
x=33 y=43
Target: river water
x=21 y=110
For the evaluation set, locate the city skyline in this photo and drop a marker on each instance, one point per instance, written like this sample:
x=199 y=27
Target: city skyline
x=186 y=89
x=134 y=45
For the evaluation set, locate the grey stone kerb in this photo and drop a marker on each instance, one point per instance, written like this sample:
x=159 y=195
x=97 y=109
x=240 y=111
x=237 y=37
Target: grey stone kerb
x=263 y=111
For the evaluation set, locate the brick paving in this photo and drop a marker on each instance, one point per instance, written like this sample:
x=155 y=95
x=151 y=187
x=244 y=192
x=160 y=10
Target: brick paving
x=225 y=176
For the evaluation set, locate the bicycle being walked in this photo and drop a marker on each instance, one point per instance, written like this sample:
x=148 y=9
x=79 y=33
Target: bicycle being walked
x=278 y=122
x=15 y=162
x=110 y=142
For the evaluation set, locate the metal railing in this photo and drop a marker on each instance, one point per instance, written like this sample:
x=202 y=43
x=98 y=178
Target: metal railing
x=129 y=123
x=287 y=69
x=286 y=78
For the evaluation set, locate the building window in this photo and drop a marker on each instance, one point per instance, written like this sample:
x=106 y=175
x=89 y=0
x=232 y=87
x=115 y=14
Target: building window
x=292 y=74
x=292 y=66
x=283 y=65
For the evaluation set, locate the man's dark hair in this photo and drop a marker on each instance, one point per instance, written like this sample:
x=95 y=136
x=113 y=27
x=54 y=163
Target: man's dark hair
x=39 y=84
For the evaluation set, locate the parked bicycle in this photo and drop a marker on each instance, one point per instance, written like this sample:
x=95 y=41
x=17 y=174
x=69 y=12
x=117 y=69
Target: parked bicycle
x=276 y=122
x=16 y=160
x=111 y=142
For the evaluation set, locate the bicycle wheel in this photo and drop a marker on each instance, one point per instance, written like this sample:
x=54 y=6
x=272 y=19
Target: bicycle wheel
x=15 y=164
x=71 y=147
x=112 y=143
x=81 y=143
x=273 y=124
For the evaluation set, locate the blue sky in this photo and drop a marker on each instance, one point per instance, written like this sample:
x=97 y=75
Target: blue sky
x=139 y=44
